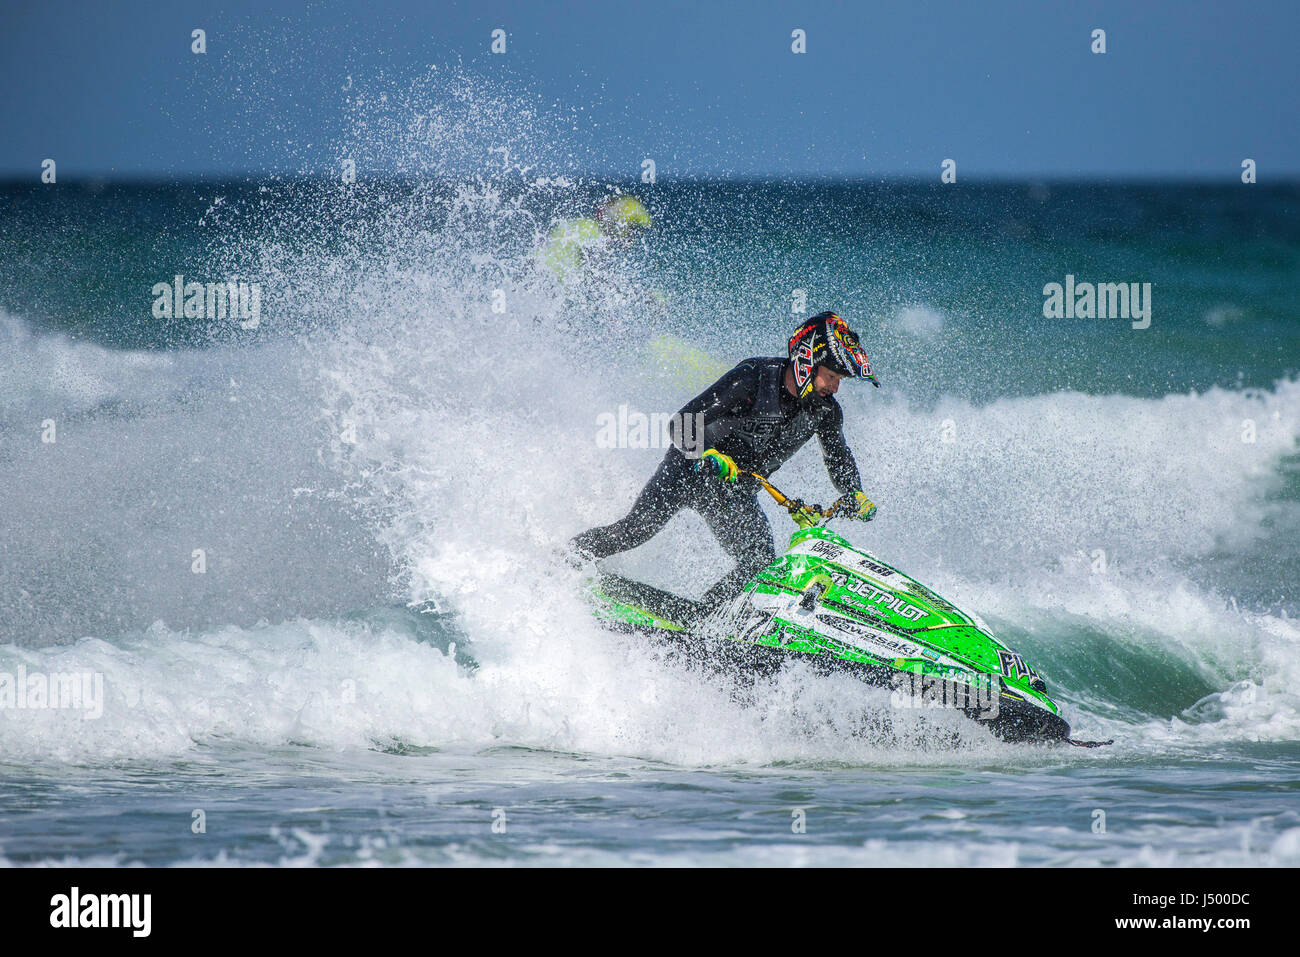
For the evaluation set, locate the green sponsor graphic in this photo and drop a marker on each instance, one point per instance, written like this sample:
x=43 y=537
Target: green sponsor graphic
x=835 y=606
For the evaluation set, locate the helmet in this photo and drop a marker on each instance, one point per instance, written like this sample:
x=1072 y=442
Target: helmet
x=827 y=340
x=624 y=213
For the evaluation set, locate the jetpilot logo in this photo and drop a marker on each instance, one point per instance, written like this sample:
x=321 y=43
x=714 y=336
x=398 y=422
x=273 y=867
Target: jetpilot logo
x=132 y=911
x=977 y=693
x=658 y=430
x=874 y=595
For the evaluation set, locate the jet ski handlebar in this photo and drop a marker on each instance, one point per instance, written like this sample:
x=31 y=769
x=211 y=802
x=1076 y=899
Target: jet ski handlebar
x=797 y=508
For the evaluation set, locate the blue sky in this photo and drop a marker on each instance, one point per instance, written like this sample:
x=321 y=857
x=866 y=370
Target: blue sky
x=1185 y=89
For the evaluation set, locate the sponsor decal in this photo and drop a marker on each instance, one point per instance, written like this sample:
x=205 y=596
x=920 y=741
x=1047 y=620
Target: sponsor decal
x=826 y=549
x=869 y=565
x=877 y=596
x=843 y=556
x=758 y=432
x=802 y=358
x=879 y=639
x=1013 y=666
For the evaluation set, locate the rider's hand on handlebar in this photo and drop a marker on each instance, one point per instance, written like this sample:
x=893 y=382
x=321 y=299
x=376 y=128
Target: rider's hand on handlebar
x=716 y=463
x=857 y=505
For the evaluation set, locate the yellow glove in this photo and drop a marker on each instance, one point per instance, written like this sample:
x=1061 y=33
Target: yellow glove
x=722 y=465
x=860 y=507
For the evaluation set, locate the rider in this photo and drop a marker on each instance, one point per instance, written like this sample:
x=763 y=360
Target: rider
x=572 y=243
x=755 y=417
x=584 y=255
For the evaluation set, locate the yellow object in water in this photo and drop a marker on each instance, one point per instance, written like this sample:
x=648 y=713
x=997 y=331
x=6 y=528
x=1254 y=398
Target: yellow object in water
x=570 y=241
x=566 y=246
x=625 y=213
x=685 y=365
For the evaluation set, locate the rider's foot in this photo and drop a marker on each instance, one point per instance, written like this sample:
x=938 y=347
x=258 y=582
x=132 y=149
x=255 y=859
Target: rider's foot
x=576 y=557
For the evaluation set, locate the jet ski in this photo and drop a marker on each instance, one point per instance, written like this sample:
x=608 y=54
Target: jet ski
x=841 y=610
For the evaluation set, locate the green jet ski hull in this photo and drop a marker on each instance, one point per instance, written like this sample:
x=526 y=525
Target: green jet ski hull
x=840 y=610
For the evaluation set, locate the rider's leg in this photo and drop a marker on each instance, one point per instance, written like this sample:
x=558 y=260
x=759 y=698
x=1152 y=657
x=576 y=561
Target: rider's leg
x=737 y=521
x=667 y=492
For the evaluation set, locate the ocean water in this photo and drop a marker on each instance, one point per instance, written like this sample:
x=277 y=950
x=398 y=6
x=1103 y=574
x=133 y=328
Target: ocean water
x=312 y=561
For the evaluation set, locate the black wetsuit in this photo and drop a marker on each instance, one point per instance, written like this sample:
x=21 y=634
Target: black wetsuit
x=751 y=416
